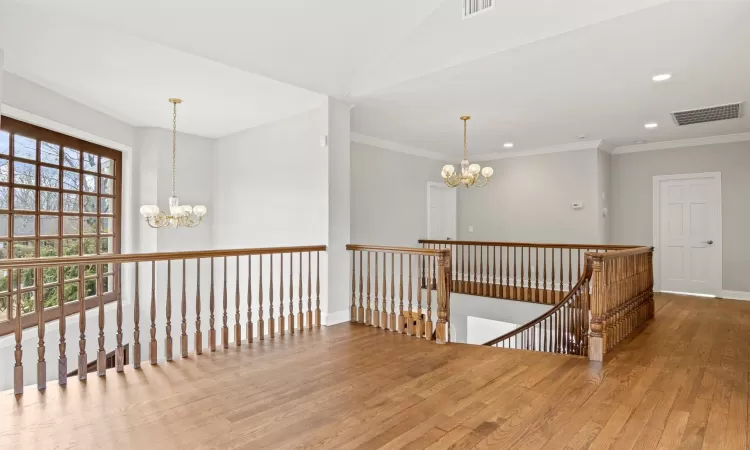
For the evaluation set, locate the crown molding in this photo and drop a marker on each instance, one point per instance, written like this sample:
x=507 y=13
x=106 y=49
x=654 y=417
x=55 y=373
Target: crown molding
x=396 y=147
x=571 y=147
x=681 y=143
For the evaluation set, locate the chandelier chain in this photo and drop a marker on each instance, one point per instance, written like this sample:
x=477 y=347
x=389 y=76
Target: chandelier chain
x=174 y=146
x=465 y=152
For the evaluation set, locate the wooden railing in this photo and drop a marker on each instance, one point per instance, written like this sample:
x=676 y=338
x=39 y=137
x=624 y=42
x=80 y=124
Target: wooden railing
x=532 y=272
x=371 y=266
x=563 y=329
x=302 y=273
x=612 y=300
x=622 y=299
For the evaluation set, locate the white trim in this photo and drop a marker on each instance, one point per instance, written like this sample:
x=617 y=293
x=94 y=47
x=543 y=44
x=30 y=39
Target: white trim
x=735 y=295
x=429 y=210
x=25 y=116
x=335 y=317
x=397 y=147
x=657 y=218
x=571 y=147
x=681 y=143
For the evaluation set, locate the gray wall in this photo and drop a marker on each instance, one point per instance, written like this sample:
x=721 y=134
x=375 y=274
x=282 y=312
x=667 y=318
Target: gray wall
x=389 y=195
x=529 y=200
x=632 y=202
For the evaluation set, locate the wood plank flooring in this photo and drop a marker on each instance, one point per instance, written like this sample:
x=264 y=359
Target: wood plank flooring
x=682 y=383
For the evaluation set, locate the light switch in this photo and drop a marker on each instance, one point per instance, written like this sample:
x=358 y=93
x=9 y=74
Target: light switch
x=471 y=228
x=577 y=205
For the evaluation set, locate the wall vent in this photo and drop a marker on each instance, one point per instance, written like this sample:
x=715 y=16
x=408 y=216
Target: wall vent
x=712 y=114
x=474 y=7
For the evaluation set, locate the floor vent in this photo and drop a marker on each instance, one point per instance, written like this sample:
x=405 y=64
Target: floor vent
x=474 y=7
x=712 y=114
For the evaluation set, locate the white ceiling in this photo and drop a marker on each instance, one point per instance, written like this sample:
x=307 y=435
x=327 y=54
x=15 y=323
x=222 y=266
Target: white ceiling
x=536 y=72
x=131 y=79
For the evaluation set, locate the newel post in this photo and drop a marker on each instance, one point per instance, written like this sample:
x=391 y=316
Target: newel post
x=598 y=326
x=443 y=300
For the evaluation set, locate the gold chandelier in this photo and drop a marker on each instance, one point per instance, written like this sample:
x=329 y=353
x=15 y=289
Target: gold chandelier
x=179 y=216
x=469 y=174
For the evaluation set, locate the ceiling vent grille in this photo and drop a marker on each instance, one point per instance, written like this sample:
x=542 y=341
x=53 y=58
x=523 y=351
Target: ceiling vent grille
x=712 y=114
x=474 y=7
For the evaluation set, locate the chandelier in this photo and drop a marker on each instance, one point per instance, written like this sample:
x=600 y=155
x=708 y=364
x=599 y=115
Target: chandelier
x=469 y=174
x=179 y=215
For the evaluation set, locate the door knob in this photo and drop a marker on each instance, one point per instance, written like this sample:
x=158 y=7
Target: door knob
x=709 y=242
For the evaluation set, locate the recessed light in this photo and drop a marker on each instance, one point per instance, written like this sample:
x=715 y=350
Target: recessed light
x=640 y=142
x=651 y=125
x=508 y=145
x=662 y=77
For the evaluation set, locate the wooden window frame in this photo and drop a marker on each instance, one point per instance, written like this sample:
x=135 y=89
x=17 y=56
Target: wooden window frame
x=28 y=320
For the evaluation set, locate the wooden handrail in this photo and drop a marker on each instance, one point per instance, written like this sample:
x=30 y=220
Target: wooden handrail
x=409 y=262
x=528 y=244
x=161 y=308
x=586 y=276
x=143 y=257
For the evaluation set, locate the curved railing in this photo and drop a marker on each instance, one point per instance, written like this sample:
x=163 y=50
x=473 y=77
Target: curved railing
x=563 y=329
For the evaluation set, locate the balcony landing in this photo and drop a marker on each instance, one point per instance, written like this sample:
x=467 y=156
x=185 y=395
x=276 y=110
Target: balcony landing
x=682 y=383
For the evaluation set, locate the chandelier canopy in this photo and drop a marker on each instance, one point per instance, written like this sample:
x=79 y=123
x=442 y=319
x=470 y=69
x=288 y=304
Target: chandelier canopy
x=179 y=215
x=469 y=174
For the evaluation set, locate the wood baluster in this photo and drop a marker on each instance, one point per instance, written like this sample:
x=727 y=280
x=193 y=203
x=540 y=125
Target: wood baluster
x=41 y=365
x=290 y=315
x=394 y=325
x=536 y=270
x=515 y=286
x=249 y=331
x=168 y=339
x=281 y=295
x=101 y=354
x=487 y=287
x=474 y=287
x=434 y=271
x=152 y=342
x=119 y=350
x=564 y=291
x=309 y=291
x=528 y=277
x=301 y=313
x=494 y=291
x=420 y=322
x=198 y=333
x=480 y=288
x=368 y=311
x=376 y=312
x=424 y=279
x=523 y=288
x=554 y=290
x=579 y=263
x=384 y=312
x=428 y=322
x=354 y=289
x=211 y=318
x=183 y=312
x=136 y=324
x=463 y=270
x=410 y=317
x=261 y=322
x=271 y=324
x=570 y=264
x=82 y=357
x=224 y=318
x=62 y=362
x=545 y=296
x=361 y=309
x=18 y=353
x=506 y=291
x=401 y=321
x=237 y=326
x=317 y=291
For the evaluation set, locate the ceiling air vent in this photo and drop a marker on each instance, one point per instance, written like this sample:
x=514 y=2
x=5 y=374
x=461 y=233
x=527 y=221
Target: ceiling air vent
x=712 y=114
x=474 y=7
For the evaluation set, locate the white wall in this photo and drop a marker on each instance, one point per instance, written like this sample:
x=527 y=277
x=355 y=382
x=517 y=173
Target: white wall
x=632 y=186
x=480 y=330
x=603 y=197
x=529 y=200
x=389 y=196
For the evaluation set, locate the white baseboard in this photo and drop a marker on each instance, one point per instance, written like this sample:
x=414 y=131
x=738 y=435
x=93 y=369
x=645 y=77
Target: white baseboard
x=336 y=317
x=736 y=295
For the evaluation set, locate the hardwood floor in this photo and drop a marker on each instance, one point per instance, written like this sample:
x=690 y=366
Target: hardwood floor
x=681 y=383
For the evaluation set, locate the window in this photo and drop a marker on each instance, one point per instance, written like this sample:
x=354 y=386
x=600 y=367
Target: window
x=59 y=196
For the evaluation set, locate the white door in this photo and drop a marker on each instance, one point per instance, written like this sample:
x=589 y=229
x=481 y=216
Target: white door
x=688 y=244
x=441 y=212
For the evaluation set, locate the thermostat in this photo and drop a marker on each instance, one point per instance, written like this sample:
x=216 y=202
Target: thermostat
x=577 y=205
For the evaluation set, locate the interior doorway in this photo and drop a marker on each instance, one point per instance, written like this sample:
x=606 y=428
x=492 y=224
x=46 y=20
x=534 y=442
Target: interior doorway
x=441 y=211
x=687 y=233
